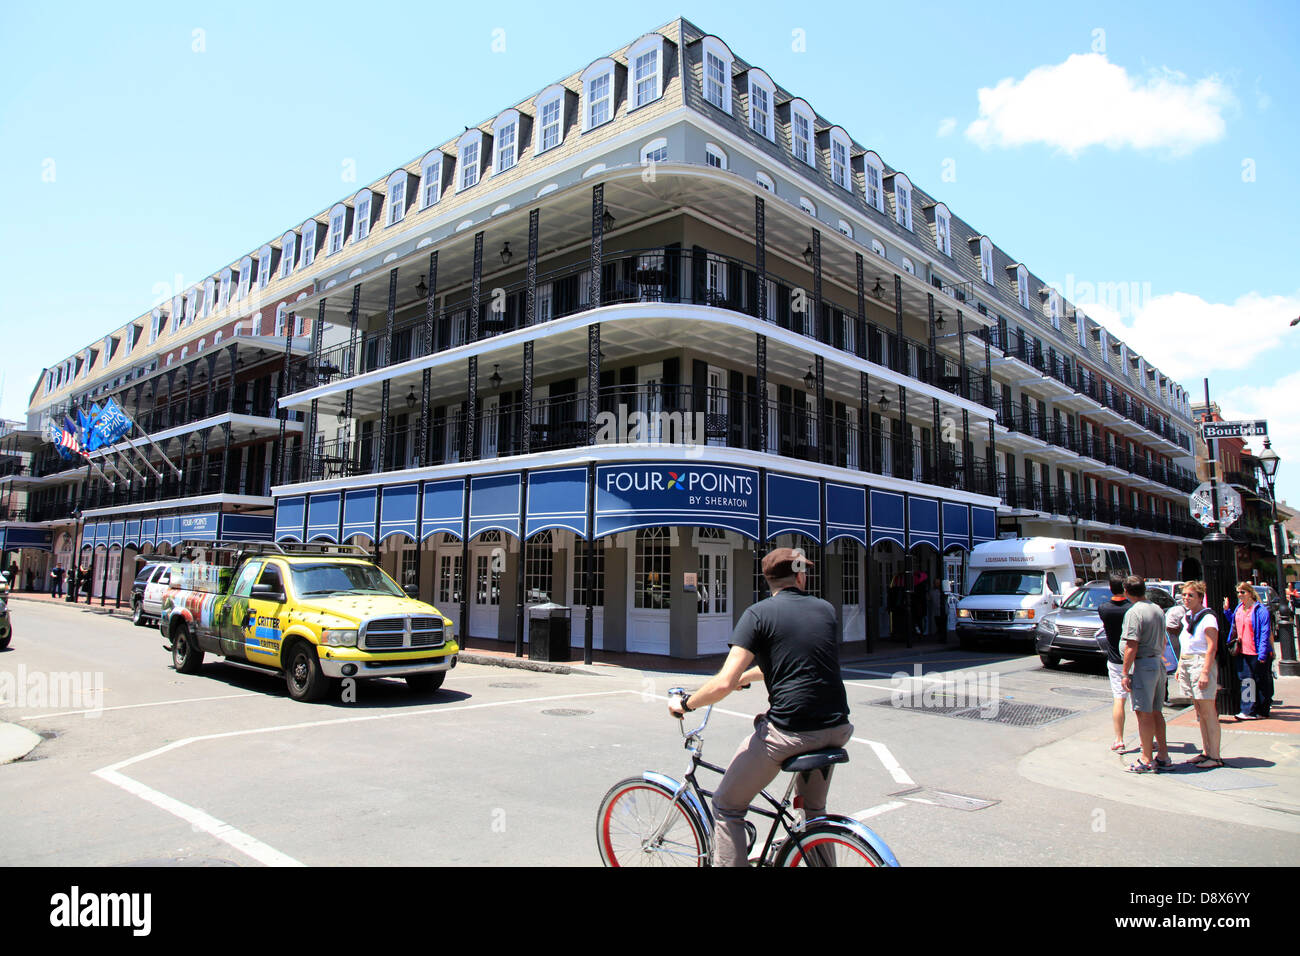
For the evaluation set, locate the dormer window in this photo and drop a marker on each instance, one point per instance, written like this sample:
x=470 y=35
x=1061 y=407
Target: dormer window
x=264 y=267
x=505 y=135
x=550 y=118
x=762 y=93
x=156 y=320
x=902 y=201
x=468 y=162
x=396 y=189
x=943 y=229
x=209 y=297
x=986 y=260
x=361 y=218
x=308 y=243
x=840 y=170
x=224 y=296
x=338 y=221
x=598 y=88
x=644 y=59
x=1054 y=309
x=874 y=175
x=1022 y=285
x=288 y=249
x=717 y=74
x=801 y=133
x=245 y=278
x=431 y=179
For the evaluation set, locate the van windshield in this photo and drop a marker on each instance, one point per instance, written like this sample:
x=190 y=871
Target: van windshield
x=1008 y=582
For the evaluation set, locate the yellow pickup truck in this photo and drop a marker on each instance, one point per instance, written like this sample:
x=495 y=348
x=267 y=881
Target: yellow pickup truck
x=317 y=614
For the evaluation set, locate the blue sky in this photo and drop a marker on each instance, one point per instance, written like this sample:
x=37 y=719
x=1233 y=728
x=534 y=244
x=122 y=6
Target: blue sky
x=1153 y=146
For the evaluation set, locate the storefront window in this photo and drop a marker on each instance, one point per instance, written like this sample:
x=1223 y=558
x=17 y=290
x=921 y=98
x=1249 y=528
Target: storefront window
x=653 y=578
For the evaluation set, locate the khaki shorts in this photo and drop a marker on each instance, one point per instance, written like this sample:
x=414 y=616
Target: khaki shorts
x=1190 y=667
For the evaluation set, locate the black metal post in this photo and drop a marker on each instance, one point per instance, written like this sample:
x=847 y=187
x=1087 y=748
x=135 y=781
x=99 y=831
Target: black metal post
x=520 y=597
x=760 y=257
x=590 y=572
x=1219 y=561
x=820 y=374
x=760 y=374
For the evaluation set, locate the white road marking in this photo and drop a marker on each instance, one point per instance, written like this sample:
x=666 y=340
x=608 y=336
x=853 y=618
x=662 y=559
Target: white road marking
x=878 y=810
x=887 y=759
x=156 y=703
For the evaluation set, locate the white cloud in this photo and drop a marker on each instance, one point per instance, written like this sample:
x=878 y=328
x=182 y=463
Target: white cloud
x=1089 y=101
x=1182 y=334
x=947 y=126
x=1276 y=402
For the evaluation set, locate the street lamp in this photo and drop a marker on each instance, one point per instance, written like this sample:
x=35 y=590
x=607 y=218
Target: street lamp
x=1288 y=665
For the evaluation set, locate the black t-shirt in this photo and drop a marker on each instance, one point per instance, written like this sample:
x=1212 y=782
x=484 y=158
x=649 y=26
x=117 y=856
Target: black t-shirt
x=1112 y=619
x=793 y=637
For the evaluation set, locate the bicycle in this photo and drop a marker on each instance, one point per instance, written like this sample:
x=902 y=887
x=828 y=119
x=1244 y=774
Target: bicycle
x=652 y=820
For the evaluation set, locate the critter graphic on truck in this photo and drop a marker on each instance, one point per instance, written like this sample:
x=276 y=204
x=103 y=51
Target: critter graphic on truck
x=313 y=613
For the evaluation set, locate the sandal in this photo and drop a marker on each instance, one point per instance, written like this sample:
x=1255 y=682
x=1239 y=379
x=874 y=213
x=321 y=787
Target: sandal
x=1164 y=765
x=1141 y=766
x=1208 y=763
x=1118 y=746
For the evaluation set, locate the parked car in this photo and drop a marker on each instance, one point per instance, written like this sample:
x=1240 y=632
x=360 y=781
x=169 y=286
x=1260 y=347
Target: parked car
x=151 y=583
x=1074 y=630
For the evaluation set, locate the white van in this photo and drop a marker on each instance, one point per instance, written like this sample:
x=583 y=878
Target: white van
x=1011 y=584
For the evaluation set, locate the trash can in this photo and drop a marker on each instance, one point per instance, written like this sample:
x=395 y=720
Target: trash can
x=548 y=632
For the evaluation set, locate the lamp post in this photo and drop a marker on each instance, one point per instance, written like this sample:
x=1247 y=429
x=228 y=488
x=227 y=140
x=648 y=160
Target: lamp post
x=1219 y=564
x=1288 y=666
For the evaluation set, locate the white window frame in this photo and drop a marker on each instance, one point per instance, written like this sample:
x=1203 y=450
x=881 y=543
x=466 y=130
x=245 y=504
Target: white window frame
x=288 y=250
x=469 y=159
x=765 y=181
x=986 y=260
x=808 y=206
x=655 y=151
x=803 y=148
x=264 y=267
x=1054 y=309
x=308 y=254
x=903 y=201
x=551 y=96
x=943 y=229
x=338 y=224
x=715 y=151
x=395 y=197
x=846 y=228
x=209 y=296
x=762 y=99
x=601 y=70
x=363 y=205
x=505 y=142
x=908 y=267
x=878 y=248
x=716 y=89
x=280 y=314
x=874 y=182
x=644 y=88
x=841 y=169
x=223 y=295
x=430 y=179
x=245 y=278
x=1022 y=286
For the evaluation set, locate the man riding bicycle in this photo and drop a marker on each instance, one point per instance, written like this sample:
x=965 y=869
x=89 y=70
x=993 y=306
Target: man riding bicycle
x=794 y=638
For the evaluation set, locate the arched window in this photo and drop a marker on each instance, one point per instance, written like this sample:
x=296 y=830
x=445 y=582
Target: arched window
x=874 y=174
x=765 y=181
x=1022 y=285
x=598 y=94
x=903 y=200
x=717 y=73
x=395 y=198
x=943 y=229
x=908 y=267
x=762 y=96
x=802 y=128
x=655 y=151
x=209 y=297
x=645 y=63
x=308 y=243
x=505 y=138
x=430 y=179
x=361 y=206
x=245 y=277
x=714 y=156
x=469 y=158
x=550 y=118
x=337 y=228
x=878 y=248
x=288 y=250
x=986 y=260
x=539 y=568
x=841 y=171
x=845 y=228
x=807 y=206
x=263 y=266
x=281 y=311
x=223 y=297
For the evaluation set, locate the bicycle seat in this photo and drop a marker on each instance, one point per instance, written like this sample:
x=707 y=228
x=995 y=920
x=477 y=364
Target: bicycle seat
x=815 y=760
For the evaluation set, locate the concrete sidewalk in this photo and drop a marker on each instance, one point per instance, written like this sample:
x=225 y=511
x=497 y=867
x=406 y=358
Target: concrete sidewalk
x=1259 y=784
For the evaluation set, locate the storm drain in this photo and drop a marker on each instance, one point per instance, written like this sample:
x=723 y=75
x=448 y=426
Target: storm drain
x=567 y=712
x=996 y=711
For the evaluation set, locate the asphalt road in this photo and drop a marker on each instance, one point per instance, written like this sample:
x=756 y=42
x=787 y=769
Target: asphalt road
x=507 y=767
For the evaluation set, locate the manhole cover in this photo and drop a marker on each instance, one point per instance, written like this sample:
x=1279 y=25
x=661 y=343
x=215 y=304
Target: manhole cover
x=996 y=712
x=566 y=712
x=512 y=684
x=941 y=798
x=1091 y=693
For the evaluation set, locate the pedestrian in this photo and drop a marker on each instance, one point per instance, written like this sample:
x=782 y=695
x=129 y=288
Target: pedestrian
x=1174 y=618
x=1251 y=627
x=937 y=612
x=14 y=580
x=1144 y=675
x=1112 y=620
x=1198 y=677
x=792 y=640
x=1293 y=597
x=920 y=603
x=56 y=580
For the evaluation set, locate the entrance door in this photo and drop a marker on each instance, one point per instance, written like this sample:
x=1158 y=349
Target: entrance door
x=487 y=560
x=578 y=596
x=447 y=584
x=712 y=597
x=649 y=592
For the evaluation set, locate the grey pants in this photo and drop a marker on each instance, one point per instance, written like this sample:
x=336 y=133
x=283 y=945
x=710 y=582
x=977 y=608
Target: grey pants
x=756 y=763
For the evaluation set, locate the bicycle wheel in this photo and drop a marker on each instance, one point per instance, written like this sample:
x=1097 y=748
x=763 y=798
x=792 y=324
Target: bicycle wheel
x=629 y=816
x=827 y=844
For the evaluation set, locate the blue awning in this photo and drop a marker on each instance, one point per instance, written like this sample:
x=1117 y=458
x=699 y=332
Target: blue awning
x=956 y=526
x=167 y=530
x=247 y=527
x=289 y=513
x=359 y=512
x=983 y=524
x=133 y=533
x=649 y=495
x=846 y=512
x=444 y=507
x=398 y=514
x=923 y=522
x=557 y=498
x=793 y=506
x=149 y=530
x=887 y=517
x=198 y=527
x=324 y=512
x=116 y=532
x=494 y=504
x=37 y=539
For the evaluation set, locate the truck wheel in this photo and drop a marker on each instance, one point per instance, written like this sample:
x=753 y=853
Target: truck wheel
x=302 y=673
x=187 y=657
x=425 y=683
x=137 y=613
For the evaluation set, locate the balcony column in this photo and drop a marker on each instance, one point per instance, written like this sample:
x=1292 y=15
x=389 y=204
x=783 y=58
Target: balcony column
x=903 y=456
x=475 y=288
x=932 y=378
x=860 y=329
x=968 y=466
x=760 y=257
x=232 y=351
x=864 y=425
x=821 y=328
x=820 y=373
x=468 y=431
x=961 y=349
x=934 y=437
x=309 y=436
x=526 y=412
x=992 y=463
x=171 y=393
x=210 y=399
x=593 y=380
x=225 y=456
x=354 y=316
x=430 y=323
x=385 y=395
x=282 y=458
x=597 y=241
x=202 y=477
x=760 y=373
x=988 y=363
x=896 y=362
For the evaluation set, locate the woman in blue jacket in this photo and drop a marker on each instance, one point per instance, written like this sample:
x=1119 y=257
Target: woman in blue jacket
x=1250 y=624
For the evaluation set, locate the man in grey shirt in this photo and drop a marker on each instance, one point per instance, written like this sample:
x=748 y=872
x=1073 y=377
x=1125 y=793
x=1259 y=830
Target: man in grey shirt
x=1144 y=638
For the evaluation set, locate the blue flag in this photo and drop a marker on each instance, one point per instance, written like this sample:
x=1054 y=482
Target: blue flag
x=110 y=425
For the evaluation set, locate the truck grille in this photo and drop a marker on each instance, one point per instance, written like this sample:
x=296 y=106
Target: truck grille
x=1069 y=630
x=401 y=633
x=993 y=617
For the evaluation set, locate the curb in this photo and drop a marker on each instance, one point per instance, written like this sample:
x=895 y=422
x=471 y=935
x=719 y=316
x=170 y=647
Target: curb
x=518 y=663
x=16 y=742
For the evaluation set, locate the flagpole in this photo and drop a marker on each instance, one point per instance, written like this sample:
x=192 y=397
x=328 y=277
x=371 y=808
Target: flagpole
x=126 y=460
x=143 y=457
